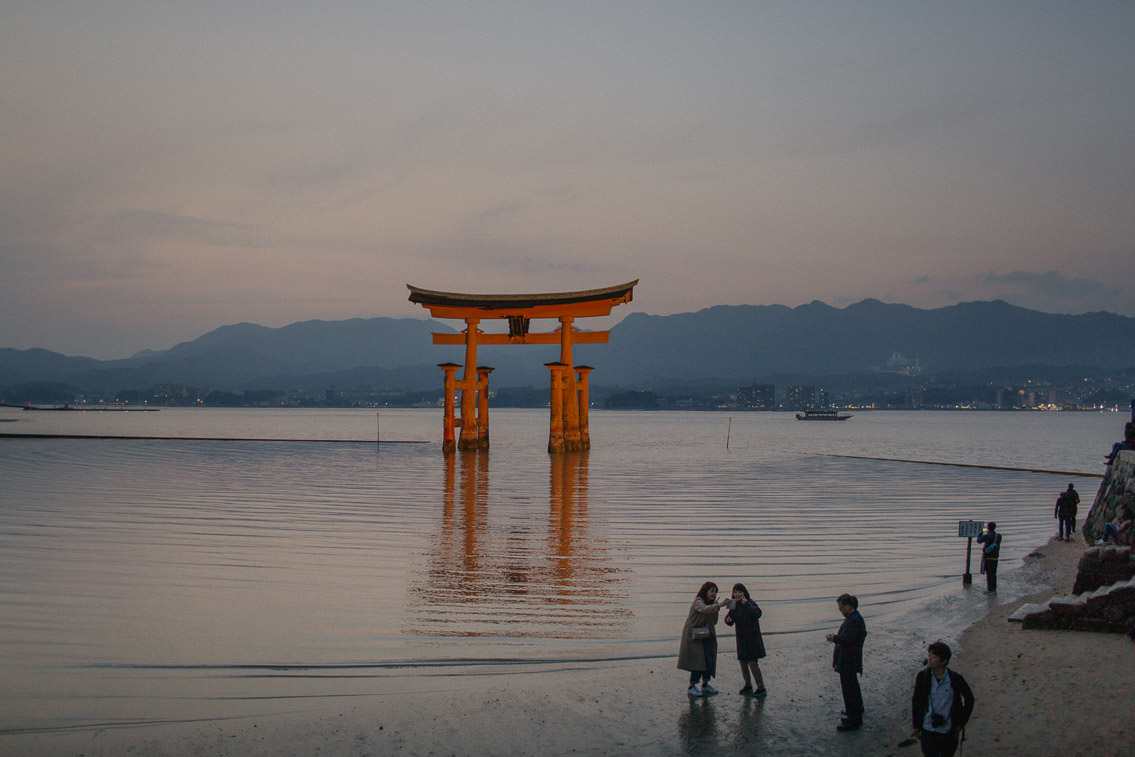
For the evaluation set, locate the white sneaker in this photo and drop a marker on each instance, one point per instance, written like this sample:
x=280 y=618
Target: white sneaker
x=707 y=690
x=693 y=691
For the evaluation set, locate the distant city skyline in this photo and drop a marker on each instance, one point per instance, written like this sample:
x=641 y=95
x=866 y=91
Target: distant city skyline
x=169 y=169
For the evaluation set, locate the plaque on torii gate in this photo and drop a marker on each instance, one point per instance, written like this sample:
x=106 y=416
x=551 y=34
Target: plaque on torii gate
x=568 y=429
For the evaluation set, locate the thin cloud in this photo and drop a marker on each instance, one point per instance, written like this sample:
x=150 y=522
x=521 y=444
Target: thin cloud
x=1049 y=284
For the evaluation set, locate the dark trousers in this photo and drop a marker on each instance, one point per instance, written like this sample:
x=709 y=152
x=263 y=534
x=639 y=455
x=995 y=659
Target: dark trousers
x=939 y=744
x=852 y=697
x=1066 y=528
x=991 y=575
x=710 y=665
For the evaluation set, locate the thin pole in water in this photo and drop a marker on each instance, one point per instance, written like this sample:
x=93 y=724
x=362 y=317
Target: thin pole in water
x=728 y=432
x=377 y=430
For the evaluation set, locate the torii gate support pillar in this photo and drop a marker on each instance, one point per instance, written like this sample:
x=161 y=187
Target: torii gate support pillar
x=448 y=440
x=483 y=372
x=584 y=403
x=469 y=427
x=556 y=425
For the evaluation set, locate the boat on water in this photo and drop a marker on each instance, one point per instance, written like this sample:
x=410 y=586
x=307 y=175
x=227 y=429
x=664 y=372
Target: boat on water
x=822 y=415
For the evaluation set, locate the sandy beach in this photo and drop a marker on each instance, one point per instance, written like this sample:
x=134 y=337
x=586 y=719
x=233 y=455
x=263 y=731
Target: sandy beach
x=1038 y=693
x=1048 y=692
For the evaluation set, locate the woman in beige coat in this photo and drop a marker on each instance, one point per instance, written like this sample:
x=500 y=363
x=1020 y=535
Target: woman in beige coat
x=698 y=650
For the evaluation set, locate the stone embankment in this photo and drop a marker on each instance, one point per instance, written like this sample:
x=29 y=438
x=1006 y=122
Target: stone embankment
x=1103 y=597
x=1116 y=495
x=1108 y=608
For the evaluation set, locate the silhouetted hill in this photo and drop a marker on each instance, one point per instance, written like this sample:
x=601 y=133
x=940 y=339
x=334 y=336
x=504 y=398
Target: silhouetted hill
x=725 y=345
x=746 y=342
x=20 y=366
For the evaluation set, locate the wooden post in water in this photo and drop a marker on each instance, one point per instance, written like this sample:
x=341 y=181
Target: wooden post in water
x=377 y=429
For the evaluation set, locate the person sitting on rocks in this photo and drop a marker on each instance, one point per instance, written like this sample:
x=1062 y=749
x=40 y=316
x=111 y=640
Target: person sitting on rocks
x=1128 y=437
x=1118 y=531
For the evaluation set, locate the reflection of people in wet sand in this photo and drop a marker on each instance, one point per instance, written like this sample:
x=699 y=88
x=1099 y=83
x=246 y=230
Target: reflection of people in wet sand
x=745 y=614
x=697 y=727
x=697 y=652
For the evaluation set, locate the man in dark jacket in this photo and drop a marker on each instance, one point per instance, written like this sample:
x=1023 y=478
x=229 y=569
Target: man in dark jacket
x=1065 y=515
x=847 y=660
x=941 y=705
x=990 y=555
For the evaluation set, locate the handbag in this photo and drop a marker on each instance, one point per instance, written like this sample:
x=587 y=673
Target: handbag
x=699 y=632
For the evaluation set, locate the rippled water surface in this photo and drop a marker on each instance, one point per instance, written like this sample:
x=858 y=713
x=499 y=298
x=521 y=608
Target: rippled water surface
x=144 y=578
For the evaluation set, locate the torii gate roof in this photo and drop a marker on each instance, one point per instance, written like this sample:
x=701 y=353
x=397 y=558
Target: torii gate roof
x=590 y=302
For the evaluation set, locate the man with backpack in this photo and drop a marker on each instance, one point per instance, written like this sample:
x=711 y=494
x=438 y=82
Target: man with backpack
x=990 y=554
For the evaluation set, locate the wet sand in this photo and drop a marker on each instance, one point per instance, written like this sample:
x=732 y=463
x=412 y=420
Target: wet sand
x=1038 y=693
x=1048 y=692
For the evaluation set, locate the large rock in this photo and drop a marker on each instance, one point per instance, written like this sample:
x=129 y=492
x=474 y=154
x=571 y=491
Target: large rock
x=1107 y=609
x=1116 y=494
x=1103 y=566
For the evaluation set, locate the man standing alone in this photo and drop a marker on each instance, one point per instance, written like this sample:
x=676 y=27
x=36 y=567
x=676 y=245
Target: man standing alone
x=941 y=705
x=991 y=553
x=847 y=660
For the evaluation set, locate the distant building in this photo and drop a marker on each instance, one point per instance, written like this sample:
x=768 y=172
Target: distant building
x=757 y=397
x=1010 y=399
x=799 y=397
x=822 y=397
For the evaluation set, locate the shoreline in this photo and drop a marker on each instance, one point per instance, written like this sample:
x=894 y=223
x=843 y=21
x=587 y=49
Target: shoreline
x=1031 y=688
x=1047 y=692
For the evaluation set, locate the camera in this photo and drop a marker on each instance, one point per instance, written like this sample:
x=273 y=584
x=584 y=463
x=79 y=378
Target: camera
x=937 y=720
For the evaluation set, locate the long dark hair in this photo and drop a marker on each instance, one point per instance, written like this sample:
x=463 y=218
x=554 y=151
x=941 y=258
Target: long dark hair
x=742 y=589
x=703 y=592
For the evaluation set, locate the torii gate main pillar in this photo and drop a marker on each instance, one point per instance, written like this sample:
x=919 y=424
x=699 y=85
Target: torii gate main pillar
x=568 y=426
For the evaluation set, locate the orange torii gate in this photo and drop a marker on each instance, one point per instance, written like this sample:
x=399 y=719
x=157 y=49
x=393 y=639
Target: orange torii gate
x=569 y=400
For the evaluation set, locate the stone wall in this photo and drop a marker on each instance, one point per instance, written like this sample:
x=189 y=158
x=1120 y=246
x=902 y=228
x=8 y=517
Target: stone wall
x=1110 y=607
x=1103 y=566
x=1116 y=492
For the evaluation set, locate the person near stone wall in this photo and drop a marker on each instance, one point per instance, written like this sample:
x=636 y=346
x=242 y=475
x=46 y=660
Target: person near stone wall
x=1065 y=513
x=1128 y=437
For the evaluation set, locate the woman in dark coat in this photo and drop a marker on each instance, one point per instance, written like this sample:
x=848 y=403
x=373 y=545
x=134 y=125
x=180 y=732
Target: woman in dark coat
x=697 y=651
x=746 y=615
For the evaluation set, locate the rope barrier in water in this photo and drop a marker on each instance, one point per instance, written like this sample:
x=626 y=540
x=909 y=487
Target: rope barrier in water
x=6 y=435
x=972 y=465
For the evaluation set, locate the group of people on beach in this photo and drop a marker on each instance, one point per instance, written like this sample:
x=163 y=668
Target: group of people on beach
x=942 y=701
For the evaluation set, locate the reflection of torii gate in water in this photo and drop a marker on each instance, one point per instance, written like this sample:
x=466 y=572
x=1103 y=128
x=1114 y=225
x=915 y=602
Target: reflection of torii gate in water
x=569 y=399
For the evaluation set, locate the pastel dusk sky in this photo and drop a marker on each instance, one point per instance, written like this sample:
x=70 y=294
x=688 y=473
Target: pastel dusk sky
x=168 y=168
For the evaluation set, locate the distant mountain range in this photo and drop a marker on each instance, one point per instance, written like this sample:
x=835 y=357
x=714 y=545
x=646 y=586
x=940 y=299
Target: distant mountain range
x=724 y=344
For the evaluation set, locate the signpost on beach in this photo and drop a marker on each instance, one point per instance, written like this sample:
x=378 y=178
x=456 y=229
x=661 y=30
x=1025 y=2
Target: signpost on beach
x=968 y=529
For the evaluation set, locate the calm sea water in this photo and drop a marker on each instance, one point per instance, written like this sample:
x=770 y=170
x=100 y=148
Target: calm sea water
x=147 y=580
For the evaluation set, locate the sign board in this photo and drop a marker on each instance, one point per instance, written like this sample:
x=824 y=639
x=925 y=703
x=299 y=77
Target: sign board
x=970 y=528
